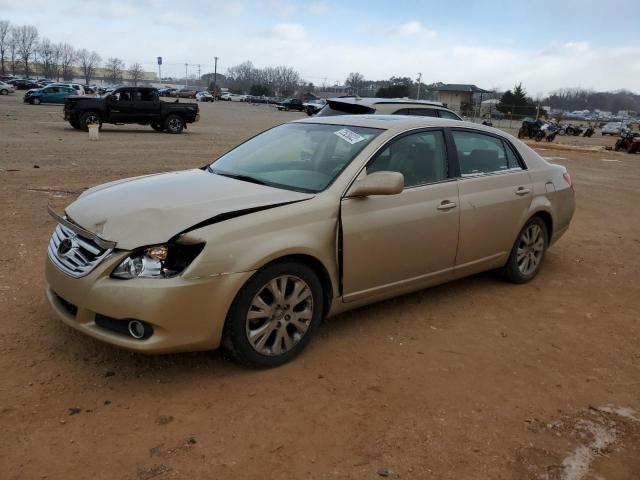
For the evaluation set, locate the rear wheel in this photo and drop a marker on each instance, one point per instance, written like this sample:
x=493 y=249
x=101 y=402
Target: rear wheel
x=157 y=127
x=87 y=118
x=528 y=252
x=174 y=124
x=634 y=148
x=274 y=315
x=74 y=124
x=4 y=91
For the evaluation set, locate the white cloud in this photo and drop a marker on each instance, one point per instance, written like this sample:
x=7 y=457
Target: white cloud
x=318 y=8
x=285 y=32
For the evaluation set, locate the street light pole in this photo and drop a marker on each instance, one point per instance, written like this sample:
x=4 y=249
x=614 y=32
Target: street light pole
x=186 y=78
x=215 y=76
x=419 y=83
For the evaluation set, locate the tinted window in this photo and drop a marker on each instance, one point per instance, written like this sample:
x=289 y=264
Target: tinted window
x=402 y=111
x=423 y=112
x=343 y=108
x=448 y=115
x=420 y=157
x=146 y=95
x=479 y=153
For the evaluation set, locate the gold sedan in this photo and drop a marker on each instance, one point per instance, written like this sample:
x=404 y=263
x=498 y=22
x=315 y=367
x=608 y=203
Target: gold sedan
x=306 y=220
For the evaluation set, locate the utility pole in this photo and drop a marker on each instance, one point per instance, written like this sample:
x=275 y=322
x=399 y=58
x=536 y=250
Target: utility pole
x=198 y=74
x=215 y=76
x=186 y=78
x=419 y=83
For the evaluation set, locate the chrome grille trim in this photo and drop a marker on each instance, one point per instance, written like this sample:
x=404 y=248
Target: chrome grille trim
x=84 y=255
x=86 y=234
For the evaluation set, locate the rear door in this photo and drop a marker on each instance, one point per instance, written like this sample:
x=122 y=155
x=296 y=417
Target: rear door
x=391 y=242
x=146 y=105
x=495 y=195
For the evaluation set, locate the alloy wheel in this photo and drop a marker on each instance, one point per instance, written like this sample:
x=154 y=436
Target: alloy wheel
x=280 y=315
x=530 y=249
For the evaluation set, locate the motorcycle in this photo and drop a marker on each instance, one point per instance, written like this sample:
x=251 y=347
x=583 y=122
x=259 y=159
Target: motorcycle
x=530 y=128
x=548 y=131
x=629 y=141
x=589 y=131
x=571 y=130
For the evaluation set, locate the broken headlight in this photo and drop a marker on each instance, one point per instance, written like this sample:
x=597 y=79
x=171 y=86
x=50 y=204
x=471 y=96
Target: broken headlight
x=159 y=261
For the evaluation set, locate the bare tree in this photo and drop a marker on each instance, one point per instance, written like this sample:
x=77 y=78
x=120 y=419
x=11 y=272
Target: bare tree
x=5 y=38
x=355 y=80
x=27 y=44
x=49 y=53
x=13 y=49
x=68 y=56
x=136 y=73
x=114 y=68
x=89 y=62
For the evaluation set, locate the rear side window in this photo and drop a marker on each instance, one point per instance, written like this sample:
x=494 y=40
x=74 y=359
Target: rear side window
x=420 y=157
x=343 y=108
x=479 y=153
x=448 y=115
x=402 y=111
x=423 y=112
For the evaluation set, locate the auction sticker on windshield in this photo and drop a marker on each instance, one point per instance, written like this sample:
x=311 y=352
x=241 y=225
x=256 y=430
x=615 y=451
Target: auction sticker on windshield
x=349 y=136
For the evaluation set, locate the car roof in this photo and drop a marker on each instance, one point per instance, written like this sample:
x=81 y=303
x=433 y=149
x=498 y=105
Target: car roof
x=368 y=101
x=393 y=122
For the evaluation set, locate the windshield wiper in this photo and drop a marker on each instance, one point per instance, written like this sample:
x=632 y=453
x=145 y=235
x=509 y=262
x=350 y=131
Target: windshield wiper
x=237 y=176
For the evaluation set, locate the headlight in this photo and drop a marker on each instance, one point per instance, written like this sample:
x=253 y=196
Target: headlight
x=159 y=261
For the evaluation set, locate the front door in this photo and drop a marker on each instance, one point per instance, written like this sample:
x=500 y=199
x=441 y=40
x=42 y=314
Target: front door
x=120 y=104
x=393 y=242
x=495 y=194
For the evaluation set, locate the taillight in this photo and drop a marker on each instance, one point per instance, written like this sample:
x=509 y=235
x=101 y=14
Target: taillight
x=567 y=178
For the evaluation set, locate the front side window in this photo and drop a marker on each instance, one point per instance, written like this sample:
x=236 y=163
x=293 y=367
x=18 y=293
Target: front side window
x=296 y=156
x=479 y=153
x=448 y=115
x=420 y=157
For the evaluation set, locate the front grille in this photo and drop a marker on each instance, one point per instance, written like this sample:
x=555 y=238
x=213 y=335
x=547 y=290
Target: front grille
x=75 y=255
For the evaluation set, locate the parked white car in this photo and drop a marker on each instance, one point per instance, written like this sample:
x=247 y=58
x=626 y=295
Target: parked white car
x=6 y=88
x=204 y=97
x=238 y=98
x=614 y=128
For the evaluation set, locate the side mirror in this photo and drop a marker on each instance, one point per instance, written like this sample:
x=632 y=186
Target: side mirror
x=377 y=183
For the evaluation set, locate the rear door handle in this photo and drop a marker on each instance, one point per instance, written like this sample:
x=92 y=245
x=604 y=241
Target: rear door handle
x=447 y=205
x=523 y=191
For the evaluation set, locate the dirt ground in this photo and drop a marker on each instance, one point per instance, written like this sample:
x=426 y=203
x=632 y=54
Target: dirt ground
x=476 y=379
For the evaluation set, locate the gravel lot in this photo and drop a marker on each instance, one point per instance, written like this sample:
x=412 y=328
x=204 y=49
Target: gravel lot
x=476 y=379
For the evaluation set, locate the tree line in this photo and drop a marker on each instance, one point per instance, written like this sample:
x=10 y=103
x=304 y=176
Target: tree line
x=23 y=51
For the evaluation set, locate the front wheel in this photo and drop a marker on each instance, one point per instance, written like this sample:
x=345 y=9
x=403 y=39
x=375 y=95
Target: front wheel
x=618 y=145
x=35 y=101
x=528 y=252
x=274 y=315
x=157 y=127
x=4 y=91
x=174 y=124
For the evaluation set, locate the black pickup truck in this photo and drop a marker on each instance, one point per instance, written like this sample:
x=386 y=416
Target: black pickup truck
x=130 y=105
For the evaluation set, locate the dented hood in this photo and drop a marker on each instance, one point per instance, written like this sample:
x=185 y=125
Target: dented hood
x=152 y=209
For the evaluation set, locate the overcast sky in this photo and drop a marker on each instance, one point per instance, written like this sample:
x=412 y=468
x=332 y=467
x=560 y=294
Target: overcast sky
x=543 y=44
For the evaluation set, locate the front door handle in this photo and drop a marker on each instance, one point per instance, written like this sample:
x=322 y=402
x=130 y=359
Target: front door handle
x=447 y=205
x=523 y=191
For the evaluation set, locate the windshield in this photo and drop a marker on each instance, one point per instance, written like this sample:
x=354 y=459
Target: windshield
x=297 y=156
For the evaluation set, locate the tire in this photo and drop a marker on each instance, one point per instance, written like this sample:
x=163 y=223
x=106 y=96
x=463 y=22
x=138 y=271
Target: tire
x=4 y=91
x=174 y=124
x=634 y=148
x=271 y=349
x=522 y=133
x=74 y=124
x=531 y=252
x=157 y=127
x=35 y=101
x=618 y=145
x=87 y=118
